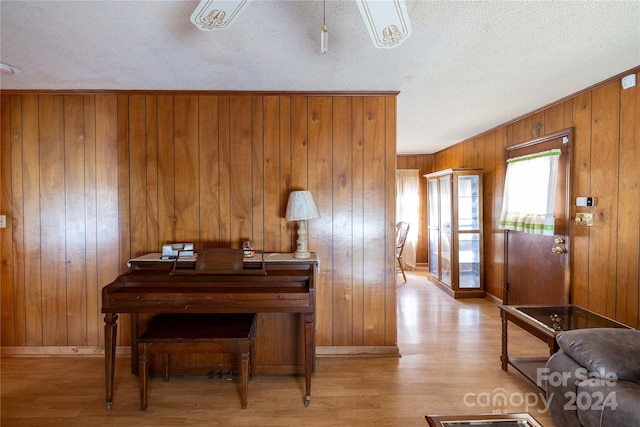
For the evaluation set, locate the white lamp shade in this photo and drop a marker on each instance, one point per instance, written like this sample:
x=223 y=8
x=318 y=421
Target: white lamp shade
x=301 y=206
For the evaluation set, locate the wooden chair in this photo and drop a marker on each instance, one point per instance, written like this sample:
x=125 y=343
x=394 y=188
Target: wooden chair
x=196 y=333
x=402 y=230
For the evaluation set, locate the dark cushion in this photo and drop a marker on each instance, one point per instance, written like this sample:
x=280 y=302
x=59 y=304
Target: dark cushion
x=558 y=392
x=602 y=404
x=604 y=351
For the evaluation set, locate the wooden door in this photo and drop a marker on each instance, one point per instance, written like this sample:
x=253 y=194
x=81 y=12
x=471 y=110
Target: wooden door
x=537 y=267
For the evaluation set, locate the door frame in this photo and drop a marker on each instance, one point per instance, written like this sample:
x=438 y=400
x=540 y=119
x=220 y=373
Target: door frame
x=567 y=134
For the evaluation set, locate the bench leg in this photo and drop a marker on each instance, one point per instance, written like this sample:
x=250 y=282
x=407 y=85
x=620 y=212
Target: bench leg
x=245 y=379
x=166 y=361
x=143 y=373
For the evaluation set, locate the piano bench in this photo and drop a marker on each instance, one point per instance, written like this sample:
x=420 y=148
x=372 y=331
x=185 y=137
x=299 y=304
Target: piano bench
x=197 y=333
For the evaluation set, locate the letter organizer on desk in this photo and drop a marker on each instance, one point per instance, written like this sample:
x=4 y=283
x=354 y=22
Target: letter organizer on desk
x=286 y=286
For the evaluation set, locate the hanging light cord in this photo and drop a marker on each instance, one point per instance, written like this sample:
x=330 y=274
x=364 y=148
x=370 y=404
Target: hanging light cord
x=324 y=33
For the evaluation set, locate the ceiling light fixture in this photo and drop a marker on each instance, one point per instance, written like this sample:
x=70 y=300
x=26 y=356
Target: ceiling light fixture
x=387 y=22
x=212 y=15
x=324 y=33
x=8 y=69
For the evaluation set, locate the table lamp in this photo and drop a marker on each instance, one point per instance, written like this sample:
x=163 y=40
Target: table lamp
x=301 y=208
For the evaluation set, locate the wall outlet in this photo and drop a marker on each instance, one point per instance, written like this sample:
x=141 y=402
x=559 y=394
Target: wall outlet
x=3 y=221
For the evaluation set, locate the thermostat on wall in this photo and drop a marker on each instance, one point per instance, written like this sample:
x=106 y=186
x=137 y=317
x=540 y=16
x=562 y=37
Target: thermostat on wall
x=628 y=81
x=585 y=201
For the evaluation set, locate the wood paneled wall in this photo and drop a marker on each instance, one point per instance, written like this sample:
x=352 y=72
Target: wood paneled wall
x=90 y=180
x=605 y=258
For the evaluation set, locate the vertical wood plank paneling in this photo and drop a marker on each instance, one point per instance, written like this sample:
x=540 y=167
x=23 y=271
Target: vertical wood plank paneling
x=186 y=177
x=389 y=144
x=286 y=144
x=166 y=171
x=604 y=186
x=240 y=173
x=113 y=170
x=32 y=226
x=124 y=199
x=271 y=183
x=74 y=184
x=224 y=150
x=8 y=287
x=299 y=161
x=342 y=222
x=359 y=239
x=16 y=221
x=320 y=167
x=627 y=295
x=496 y=258
x=93 y=288
x=137 y=146
x=52 y=175
x=16 y=230
x=209 y=161
x=580 y=186
x=374 y=219
x=151 y=196
x=489 y=209
x=258 y=194
x=553 y=119
x=107 y=193
x=124 y=177
x=517 y=133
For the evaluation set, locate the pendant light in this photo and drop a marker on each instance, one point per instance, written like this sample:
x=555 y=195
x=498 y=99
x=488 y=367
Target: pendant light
x=324 y=33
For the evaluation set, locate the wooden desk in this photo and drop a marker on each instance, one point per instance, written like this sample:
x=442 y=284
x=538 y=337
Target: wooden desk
x=286 y=286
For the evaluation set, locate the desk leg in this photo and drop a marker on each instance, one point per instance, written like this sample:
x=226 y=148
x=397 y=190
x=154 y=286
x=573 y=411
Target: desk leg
x=504 y=358
x=110 y=331
x=308 y=354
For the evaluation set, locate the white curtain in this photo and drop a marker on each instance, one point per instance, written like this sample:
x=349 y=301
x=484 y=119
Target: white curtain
x=407 y=206
x=530 y=193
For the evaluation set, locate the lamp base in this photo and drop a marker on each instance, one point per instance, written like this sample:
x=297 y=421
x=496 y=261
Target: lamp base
x=302 y=248
x=302 y=254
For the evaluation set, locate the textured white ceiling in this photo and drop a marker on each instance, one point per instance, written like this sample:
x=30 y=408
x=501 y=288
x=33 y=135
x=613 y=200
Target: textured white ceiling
x=467 y=67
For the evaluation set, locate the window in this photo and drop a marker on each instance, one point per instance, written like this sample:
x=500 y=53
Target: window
x=530 y=193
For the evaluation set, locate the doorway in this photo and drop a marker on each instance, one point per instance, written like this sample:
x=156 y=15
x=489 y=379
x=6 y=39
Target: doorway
x=407 y=209
x=537 y=266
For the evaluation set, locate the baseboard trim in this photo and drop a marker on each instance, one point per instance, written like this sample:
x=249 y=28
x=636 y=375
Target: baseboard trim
x=360 y=351
x=493 y=299
x=62 y=351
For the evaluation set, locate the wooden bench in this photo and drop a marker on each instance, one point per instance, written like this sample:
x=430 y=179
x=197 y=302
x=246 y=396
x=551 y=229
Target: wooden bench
x=196 y=333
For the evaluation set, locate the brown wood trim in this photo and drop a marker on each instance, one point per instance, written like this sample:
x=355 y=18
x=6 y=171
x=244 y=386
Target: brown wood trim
x=373 y=351
x=194 y=92
x=321 y=351
x=49 y=351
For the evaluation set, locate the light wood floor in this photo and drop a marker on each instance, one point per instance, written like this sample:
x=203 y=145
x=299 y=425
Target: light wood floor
x=450 y=364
